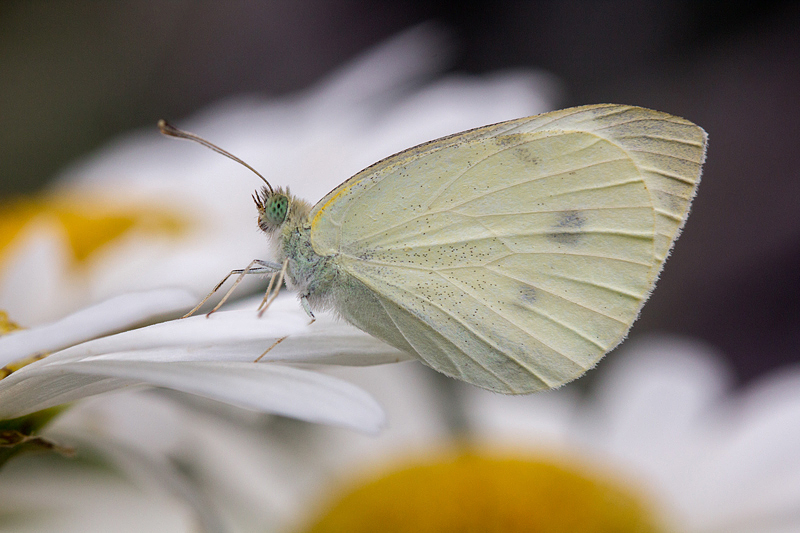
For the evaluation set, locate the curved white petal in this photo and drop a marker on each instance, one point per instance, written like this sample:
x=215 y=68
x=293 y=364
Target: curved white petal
x=239 y=335
x=751 y=474
x=111 y=315
x=649 y=397
x=292 y=392
x=408 y=57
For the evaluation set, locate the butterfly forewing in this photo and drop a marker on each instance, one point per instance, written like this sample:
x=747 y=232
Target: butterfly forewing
x=516 y=255
x=668 y=150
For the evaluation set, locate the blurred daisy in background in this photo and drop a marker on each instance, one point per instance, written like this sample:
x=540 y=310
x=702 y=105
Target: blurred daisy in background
x=149 y=212
x=660 y=442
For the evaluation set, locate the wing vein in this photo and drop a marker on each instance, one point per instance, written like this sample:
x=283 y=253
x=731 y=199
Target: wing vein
x=520 y=327
x=553 y=319
x=634 y=120
x=692 y=161
x=671 y=175
x=525 y=182
x=662 y=138
x=562 y=297
x=617 y=290
x=486 y=340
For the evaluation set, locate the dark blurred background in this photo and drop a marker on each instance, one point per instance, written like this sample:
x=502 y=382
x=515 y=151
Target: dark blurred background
x=75 y=73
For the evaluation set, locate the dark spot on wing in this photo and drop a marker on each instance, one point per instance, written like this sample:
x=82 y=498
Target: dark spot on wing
x=524 y=153
x=567 y=229
x=527 y=294
x=571 y=219
x=512 y=139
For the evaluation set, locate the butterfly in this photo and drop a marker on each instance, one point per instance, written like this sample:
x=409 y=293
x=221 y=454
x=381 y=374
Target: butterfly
x=512 y=256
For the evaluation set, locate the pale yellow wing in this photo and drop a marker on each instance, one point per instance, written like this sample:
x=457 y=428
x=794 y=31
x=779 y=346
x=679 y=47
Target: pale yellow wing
x=516 y=255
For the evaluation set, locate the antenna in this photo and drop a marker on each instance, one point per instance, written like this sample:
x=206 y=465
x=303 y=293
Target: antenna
x=171 y=131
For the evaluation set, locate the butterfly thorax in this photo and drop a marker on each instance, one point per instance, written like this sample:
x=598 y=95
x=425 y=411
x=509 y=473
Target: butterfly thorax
x=285 y=219
x=312 y=275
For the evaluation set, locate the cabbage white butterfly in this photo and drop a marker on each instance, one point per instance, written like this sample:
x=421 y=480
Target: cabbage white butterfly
x=512 y=256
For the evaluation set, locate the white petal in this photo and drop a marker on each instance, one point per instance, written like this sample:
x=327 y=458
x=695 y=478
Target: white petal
x=35 y=280
x=331 y=341
x=49 y=386
x=111 y=315
x=155 y=473
x=43 y=495
x=235 y=336
x=417 y=53
x=752 y=474
x=649 y=396
x=292 y=392
x=648 y=418
x=539 y=420
x=282 y=390
x=226 y=335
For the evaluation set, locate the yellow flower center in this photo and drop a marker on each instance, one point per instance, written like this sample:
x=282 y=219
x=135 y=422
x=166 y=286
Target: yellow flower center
x=472 y=493
x=7 y=325
x=87 y=225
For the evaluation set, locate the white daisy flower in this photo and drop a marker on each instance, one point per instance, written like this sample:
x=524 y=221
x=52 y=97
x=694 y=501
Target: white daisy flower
x=662 y=443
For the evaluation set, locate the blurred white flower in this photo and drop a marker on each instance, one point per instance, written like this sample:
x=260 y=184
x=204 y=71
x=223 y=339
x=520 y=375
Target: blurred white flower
x=149 y=212
x=662 y=423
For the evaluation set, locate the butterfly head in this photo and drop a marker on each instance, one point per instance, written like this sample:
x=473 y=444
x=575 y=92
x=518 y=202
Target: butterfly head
x=276 y=207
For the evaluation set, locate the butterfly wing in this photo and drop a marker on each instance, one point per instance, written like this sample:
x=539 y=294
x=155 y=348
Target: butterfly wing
x=516 y=255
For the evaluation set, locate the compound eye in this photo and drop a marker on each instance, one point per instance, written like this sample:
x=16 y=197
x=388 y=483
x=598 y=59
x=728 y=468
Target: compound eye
x=275 y=210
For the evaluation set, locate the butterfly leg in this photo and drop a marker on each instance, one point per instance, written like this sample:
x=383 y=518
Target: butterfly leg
x=274 y=344
x=256 y=266
x=265 y=300
x=269 y=298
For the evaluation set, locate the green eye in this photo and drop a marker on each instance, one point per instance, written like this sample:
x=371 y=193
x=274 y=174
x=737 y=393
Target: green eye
x=275 y=210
